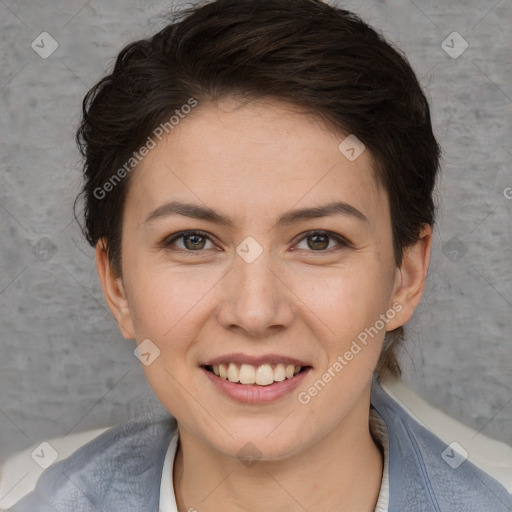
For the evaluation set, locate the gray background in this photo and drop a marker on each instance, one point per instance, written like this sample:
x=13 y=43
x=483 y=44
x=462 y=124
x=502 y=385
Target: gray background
x=64 y=367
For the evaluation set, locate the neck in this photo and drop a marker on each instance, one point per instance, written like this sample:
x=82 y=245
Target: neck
x=342 y=471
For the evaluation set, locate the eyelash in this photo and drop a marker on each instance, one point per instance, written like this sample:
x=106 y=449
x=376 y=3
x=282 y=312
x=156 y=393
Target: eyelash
x=343 y=242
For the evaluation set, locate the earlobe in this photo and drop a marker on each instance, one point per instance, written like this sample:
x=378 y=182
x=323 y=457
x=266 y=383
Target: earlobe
x=114 y=291
x=411 y=277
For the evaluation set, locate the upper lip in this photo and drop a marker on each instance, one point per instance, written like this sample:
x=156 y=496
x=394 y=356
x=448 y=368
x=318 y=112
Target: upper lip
x=254 y=360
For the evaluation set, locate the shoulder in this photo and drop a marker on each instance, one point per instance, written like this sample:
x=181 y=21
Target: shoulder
x=120 y=468
x=426 y=473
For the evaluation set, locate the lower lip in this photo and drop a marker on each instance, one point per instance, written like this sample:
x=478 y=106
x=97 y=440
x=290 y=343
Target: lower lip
x=254 y=394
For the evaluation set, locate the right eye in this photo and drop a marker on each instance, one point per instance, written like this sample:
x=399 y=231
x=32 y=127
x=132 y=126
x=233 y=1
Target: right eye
x=193 y=241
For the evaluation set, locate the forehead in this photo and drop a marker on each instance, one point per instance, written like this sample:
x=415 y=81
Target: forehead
x=257 y=157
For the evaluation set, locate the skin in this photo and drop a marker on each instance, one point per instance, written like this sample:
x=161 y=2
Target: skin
x=254 y=163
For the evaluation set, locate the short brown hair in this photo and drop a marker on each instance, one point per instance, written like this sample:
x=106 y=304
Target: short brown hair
x=319 y=57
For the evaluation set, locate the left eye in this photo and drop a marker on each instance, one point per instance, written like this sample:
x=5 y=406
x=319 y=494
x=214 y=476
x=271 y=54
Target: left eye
x=319 y=240
x=194 y=241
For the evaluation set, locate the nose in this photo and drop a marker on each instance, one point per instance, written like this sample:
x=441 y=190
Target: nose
x=255 y=298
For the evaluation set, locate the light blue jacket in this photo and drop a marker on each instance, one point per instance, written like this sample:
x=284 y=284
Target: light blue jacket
x=120 y=471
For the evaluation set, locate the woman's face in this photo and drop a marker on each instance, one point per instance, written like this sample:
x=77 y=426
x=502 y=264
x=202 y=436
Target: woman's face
x=264 y=287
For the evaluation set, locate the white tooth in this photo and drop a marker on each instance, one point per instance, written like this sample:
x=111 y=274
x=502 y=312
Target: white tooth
x=247 y=374
x=233 y=373
x=264 y=375
x=279 y=372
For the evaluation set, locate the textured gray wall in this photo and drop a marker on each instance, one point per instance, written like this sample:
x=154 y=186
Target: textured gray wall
x=64 y=367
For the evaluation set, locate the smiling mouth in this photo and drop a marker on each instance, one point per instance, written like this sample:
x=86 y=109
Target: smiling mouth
x=249 y=375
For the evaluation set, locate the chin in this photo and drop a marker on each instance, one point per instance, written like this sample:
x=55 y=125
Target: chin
x=258 y=445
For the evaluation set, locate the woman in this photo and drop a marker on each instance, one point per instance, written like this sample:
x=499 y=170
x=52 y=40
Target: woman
x=258 y=187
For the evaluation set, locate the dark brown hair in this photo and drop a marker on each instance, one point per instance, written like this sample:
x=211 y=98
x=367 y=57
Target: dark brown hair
x=320 y=58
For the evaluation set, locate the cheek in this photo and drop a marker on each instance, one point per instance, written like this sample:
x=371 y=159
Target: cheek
x=166 y=303
x=347 y=299
x=166 y=308
x=350 y=304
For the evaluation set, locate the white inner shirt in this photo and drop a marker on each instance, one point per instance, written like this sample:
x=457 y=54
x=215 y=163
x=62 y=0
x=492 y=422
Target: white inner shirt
x=377 y=429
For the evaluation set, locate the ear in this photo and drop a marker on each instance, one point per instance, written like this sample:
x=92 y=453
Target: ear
x=113 y=289
x=410 y=278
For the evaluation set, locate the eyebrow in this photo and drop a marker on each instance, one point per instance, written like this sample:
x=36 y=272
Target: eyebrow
x=196 y=211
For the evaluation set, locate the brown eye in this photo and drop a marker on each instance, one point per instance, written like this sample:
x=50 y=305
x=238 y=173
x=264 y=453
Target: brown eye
x=193 y=241
x=319 y=240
